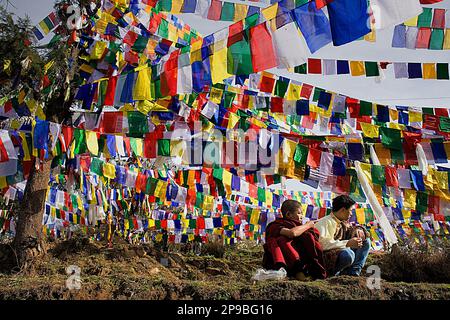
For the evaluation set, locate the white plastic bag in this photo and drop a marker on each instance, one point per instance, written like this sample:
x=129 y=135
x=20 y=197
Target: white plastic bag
x=262 y=274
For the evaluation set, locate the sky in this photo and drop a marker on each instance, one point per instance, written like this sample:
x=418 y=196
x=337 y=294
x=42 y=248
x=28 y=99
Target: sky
x=390 y=91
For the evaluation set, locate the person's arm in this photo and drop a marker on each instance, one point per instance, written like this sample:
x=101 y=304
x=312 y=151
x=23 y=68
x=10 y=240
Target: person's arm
x=296 y=231
x=327 y=239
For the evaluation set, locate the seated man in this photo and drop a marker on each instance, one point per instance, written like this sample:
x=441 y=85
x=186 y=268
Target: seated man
x=294 y=246
x=345 y=247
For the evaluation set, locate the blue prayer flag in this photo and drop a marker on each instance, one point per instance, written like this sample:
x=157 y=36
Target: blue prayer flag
x=314 y=25
x=349 y=20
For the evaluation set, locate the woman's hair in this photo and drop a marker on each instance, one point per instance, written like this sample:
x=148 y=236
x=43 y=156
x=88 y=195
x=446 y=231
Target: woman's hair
x=342 y=201
x=289 y=206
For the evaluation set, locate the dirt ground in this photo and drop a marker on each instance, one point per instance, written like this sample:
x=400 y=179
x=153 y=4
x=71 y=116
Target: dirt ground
x=146 y=272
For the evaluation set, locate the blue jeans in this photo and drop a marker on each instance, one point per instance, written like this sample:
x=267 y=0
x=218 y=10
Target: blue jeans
x=351 y=261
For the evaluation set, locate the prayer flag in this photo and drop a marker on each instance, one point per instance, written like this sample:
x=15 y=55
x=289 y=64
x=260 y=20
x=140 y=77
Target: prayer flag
x=314 y=26
x=349 y=20
x=262 y=51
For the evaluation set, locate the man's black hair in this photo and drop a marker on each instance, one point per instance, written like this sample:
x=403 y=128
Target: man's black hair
x=289 y=206
x=342 y=201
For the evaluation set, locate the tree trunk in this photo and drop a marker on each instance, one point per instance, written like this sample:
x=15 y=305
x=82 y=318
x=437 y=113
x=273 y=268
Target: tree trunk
x=29 y=241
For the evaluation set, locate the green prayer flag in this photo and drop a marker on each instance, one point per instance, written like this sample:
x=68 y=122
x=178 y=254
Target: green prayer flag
x=140 y=44
x=301 y=154
x=165 y=5
x=218 y=173
x=239 y=58
x=372 y=69
x=301 y=69
x=442 y=71
x=164 y=147
x=317 y=92
x=137 y=124
x=163 y=30
x=422 y=202
x=397 y=156
x=199 y=199
x=227 y=11
x=391 y=138
x=426 y=110
x=437 y=39
x=366 y=108
x=96 y=166
x=425 y=18
x=444 y=124
x=251 y=21
x=261 y=194
x=228 y=98
x=281 y=88
x=80 y=141
x=378 y=176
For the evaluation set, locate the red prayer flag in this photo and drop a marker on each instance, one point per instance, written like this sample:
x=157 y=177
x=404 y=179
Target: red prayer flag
x=3 y=153
x=438 y=19
x=169 y=76
x=263 y=53
x=306 y=91
x=391 y=176
x=314 y=66
x=276 y=105
x=267 y=84
x=110 y=91
x=423 y=38
x=314 y=157
x=215 y=10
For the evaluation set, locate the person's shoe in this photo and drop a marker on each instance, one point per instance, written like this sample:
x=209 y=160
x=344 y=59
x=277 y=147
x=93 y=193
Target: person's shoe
x=300 y=276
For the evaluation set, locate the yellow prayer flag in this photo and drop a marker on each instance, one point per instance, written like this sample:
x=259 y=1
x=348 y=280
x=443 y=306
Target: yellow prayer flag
x=270 y=12
x=232 y=120
x=393 y=114
x=357 y=68
x=44 y=27
x=227 y=177
x=215 y=95
x=429 y=71
x=109 y=170
x=240 y=11
x=176 y=6
x=446 y=45
x=361 y=216
x=92 y=142
x=370 y=130
x=3 y=183
x=294 y=91
x=219 y=66
x=384 y=154
x=98 y=50
x=415 y=116
x=48 y=66
x=366 y=168
x=411 y=22
x=269 y=198
x=409 y=200
x=142 y=88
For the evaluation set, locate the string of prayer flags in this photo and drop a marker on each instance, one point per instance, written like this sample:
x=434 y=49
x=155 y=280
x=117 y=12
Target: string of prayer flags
x=429 y=30
x=46 y=26
x=402 y=70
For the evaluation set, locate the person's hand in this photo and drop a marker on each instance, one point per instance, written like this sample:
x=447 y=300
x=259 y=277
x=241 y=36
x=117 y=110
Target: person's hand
x=360 y=234
x=354 y=243
x=310 y=224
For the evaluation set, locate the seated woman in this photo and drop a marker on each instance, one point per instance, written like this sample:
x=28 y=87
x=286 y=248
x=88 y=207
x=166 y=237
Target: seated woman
x=294 y=246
